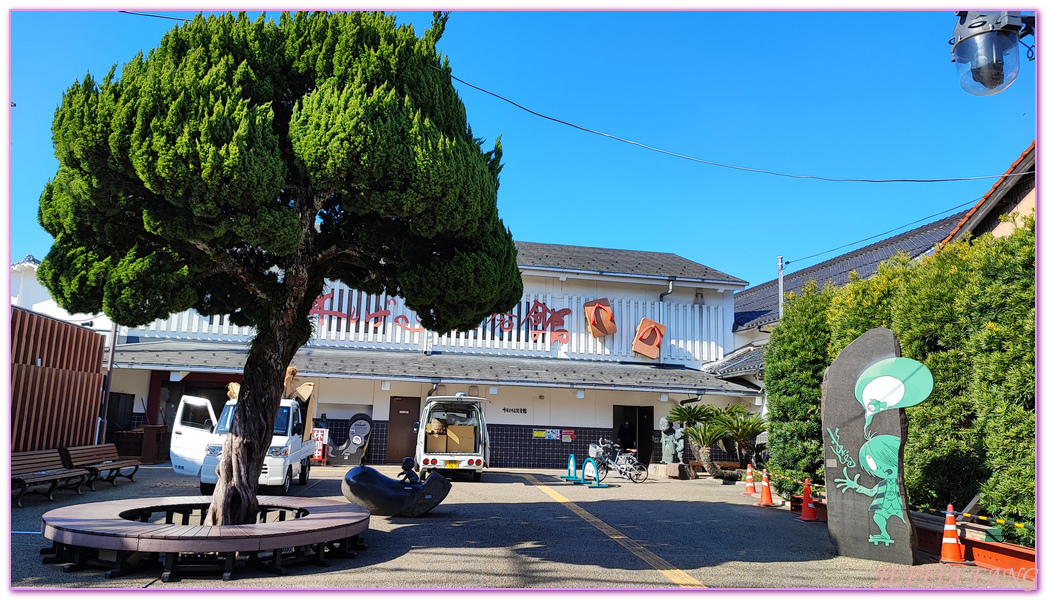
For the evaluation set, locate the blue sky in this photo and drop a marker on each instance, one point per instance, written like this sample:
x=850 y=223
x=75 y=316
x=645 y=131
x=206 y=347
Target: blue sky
x=867 y=95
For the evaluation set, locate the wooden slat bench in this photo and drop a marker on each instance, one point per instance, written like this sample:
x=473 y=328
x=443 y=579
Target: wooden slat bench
x=99 y=459
x=120 y=536
x=43 y=467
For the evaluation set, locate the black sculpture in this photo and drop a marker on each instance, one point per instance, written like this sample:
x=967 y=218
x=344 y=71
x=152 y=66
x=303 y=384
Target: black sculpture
x=385 y=496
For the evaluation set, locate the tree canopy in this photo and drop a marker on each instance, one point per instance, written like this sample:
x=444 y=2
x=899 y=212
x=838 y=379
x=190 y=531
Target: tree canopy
x=242 y=157
x=241 y=164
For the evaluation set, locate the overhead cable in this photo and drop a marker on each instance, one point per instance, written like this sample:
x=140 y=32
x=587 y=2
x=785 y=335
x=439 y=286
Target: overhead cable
x=872 y=237
x=726 y=166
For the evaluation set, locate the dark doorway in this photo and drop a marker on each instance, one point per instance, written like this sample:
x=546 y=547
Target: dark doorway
x=642 y=418
x=118 y=415
x=403 y=414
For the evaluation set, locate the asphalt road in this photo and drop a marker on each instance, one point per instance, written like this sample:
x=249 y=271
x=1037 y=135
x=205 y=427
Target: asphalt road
x=527 y=529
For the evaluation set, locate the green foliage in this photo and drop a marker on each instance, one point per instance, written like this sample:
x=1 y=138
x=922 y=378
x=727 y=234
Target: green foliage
x=794 y=363
x=742 y=427
x=1001 y=319
x=705 y=435
x=241 y=162
x=944 y=455
x=864 y=304
x=692 y=414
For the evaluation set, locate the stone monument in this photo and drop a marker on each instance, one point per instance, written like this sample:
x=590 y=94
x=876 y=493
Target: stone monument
x=864 y=393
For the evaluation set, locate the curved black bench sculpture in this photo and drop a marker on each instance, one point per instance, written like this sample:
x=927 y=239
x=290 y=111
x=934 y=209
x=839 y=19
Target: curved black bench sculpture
x=384 y=496
x=315 y=526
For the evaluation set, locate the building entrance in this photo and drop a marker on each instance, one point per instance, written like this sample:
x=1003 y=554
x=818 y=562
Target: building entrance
x=403 y=414
x=642 y=419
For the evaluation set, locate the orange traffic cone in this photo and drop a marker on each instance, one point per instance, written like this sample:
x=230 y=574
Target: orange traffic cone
x=750 y=487
x=765 y=492
x=951 y=553
x=807 y=512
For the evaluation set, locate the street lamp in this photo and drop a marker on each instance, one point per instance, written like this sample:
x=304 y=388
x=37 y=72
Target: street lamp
x=985 y=49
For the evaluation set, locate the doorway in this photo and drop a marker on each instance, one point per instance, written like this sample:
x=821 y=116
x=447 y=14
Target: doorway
x=642 y=418
x=403 y=414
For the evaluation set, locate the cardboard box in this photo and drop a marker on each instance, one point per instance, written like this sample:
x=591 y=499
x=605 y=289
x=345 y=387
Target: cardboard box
x=648 y=339
x=598 y=317
x=461 y=438
x=435 y=442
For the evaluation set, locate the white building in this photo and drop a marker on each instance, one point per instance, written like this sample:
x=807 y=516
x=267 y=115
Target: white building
x=553 y=387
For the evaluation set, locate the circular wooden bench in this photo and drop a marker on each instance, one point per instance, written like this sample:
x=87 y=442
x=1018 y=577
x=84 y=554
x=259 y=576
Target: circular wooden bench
x=121 y=536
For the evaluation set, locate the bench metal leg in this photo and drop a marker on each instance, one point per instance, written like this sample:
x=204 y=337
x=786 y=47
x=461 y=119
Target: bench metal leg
x=170 y=563
x=230 y=562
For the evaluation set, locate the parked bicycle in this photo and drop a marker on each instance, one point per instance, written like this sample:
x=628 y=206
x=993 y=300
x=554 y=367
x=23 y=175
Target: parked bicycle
x=609 y=456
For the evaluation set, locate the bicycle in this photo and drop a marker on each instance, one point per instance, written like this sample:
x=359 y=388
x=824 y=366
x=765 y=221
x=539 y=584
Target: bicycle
x=609 y=456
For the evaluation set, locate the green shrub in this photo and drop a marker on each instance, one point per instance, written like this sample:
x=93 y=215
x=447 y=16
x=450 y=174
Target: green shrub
x=795 y=360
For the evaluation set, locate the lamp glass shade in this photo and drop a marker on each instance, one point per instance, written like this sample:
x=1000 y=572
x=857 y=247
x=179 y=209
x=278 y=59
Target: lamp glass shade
x=987 y=63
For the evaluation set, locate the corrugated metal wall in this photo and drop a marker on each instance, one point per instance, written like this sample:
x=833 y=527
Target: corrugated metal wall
x=56 y=382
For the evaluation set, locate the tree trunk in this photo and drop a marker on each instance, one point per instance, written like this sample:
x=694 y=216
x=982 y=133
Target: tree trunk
x=279 y=335
x=235 y=501
x=705 y=455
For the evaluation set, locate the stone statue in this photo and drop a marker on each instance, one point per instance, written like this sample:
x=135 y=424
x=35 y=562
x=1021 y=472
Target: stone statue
x=672 y=442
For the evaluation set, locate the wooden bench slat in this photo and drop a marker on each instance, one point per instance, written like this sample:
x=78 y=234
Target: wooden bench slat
x=40 y=467
x=98 y=458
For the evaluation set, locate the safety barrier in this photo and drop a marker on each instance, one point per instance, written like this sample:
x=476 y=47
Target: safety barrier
x=926 y=509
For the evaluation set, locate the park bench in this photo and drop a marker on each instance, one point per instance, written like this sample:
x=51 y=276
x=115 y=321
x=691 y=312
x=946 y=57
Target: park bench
x=43 y=467
x=122 y=537
x=99 y=459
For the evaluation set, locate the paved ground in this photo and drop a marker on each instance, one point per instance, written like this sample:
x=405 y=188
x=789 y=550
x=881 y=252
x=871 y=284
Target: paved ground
x=529 y=529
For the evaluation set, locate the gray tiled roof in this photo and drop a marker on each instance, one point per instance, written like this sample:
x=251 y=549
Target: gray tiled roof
x=627 y=262
x=214 y=357
x=758 y=305
x=747 y=359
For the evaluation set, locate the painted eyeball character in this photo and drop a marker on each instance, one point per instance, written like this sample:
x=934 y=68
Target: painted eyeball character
x=880 y=456
x=894 y=382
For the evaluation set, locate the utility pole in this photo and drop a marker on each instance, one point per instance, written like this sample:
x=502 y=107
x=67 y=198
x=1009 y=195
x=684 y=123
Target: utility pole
x=781 y=291
x=100 y=437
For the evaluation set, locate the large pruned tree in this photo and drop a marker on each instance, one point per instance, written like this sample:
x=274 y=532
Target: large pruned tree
x=241 y=163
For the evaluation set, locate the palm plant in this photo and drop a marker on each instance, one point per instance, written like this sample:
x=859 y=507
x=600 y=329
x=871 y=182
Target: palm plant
x=693 y=414
x=742 y=427
x=702 y=437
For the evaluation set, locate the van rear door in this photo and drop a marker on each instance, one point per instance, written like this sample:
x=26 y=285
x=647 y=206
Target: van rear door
x=192 y=428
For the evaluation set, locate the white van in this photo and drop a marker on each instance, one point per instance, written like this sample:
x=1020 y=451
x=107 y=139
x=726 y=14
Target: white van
x=194 y=421
x=198 y=437
x=452 y=436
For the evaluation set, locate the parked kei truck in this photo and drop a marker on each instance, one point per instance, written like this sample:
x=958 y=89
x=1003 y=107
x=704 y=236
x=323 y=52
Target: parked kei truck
x=452 y=436
x=196 y=449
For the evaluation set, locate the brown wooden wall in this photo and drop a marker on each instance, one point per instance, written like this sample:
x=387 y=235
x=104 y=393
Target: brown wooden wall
x=57 y=402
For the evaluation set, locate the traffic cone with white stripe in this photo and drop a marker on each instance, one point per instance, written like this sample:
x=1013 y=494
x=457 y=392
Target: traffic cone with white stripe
x=750 y=487
x=765 y=492
x=807 y=513
x=951 y=553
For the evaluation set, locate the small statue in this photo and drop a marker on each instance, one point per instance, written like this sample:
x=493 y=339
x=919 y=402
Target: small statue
x=672 y=442
x=407 y=475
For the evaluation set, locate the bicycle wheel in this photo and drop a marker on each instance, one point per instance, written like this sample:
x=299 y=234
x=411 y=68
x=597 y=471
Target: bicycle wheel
x=638 y=473
x=601 y=469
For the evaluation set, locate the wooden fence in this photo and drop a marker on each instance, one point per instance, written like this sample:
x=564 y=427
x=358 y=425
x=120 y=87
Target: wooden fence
x=56 y=382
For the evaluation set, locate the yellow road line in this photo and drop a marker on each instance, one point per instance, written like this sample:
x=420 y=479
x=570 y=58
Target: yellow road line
x=656 y=562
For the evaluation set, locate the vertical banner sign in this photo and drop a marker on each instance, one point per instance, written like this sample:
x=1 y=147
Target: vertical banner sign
x=320 y=437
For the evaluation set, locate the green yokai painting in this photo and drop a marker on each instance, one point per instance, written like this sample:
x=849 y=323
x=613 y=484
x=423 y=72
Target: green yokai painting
x=864 y=395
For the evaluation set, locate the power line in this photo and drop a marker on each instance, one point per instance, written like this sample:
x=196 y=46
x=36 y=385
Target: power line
x=872 y=237
x=142 y=14
x=676 y=154
x=726 y=166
